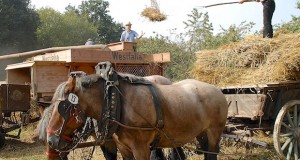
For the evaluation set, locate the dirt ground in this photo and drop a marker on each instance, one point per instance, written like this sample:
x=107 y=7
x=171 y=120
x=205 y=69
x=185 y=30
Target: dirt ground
x=29 y=148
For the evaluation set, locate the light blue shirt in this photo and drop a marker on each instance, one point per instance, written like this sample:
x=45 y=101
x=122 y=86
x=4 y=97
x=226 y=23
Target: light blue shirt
x=129 y=36
x=89 y=43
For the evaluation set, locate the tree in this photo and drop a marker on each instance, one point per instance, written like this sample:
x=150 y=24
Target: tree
x=108 y=30
x=66 y=29
x=181 y=60
x=232 y=34
x=291 y=26
x=18 y=25
x=199 y=30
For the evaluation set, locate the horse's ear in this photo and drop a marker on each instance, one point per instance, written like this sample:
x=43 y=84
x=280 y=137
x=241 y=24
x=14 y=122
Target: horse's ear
x=70 y=85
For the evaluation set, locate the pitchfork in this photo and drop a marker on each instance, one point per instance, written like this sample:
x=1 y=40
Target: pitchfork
x=218 y=4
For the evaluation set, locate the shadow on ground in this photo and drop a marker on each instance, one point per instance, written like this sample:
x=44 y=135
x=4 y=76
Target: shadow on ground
x=17 y=149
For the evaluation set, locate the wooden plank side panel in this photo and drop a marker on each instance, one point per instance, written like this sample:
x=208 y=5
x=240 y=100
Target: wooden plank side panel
x=88 y=68
x=19 y=76
x=49 y=77
x=158 y=58
x=97 y=55
x=122 y=46
x=56 y=56
x=245 y=105
x=93 y=56
x=89 y=56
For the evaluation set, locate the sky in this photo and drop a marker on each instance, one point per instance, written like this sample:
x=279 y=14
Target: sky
x=123 y=11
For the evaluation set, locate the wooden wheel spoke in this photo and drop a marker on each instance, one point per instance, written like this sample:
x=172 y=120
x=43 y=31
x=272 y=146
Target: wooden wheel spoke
x=288 y=157
x=296 y=156
x=286 y=134
x=286 y=126
x=289 y=119
x=295 y=118
x=298 y=121
x=286 y=143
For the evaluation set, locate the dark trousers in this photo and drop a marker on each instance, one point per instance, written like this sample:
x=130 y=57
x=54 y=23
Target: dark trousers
x=269 y=8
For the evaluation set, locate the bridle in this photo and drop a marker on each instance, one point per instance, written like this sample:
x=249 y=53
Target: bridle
x=70 y=111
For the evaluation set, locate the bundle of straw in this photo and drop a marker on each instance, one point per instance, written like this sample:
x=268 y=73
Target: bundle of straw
x=251 y=61
x=153 y=14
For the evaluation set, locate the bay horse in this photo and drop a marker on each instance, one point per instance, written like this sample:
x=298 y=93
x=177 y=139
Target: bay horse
x=109 y=149
x=189 y=108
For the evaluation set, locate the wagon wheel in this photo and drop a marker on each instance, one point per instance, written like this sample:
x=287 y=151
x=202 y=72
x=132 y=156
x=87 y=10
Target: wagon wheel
x=286 y=134
x=2 y=140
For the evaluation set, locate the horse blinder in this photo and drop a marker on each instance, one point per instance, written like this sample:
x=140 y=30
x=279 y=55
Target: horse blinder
x=69 y=111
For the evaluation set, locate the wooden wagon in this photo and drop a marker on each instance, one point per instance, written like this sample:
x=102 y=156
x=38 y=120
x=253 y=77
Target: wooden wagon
x=35 y=80
x=273 y=106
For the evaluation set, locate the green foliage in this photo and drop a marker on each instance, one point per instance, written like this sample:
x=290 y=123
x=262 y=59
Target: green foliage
x=66 y=29
x=18 y=26
x=291 y=26
x=199 y=31
x=232 y=34
x=181 y=60
x=108 y=30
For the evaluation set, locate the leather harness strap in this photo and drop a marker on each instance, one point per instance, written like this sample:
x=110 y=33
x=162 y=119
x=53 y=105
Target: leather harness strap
x=158 y=109
x=52 y=154
x=112 y=102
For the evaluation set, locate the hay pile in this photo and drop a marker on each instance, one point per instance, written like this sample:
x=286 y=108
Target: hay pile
x=153 y=14
x=251 y=61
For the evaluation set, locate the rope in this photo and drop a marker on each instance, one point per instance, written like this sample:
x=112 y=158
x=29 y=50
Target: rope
x=154 y=4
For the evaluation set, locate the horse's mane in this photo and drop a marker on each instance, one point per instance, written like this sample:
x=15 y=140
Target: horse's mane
x=59 y=93
x=88 y=80
x=44 y=121
x=130 y=77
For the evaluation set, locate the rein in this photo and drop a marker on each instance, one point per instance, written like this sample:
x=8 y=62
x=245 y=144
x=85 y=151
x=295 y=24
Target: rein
x=52 y=154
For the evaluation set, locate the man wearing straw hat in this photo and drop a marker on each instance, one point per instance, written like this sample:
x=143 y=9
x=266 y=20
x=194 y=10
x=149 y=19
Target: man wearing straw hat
x=129 y=35
x=268 y=10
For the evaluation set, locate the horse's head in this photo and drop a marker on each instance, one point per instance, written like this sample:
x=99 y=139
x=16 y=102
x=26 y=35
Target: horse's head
x=77 y=98
x=66 y=119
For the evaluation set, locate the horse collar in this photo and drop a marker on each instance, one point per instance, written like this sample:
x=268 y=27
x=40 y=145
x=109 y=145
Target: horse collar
x=111 y=107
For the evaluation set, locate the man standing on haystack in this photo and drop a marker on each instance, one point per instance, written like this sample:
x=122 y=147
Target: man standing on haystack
x=268 y=10
x=129 y=35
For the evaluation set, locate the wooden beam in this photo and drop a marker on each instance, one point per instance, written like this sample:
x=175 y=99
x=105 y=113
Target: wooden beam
x=50 y=50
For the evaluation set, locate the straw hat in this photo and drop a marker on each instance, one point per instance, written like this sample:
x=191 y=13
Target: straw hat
x=128 y=24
